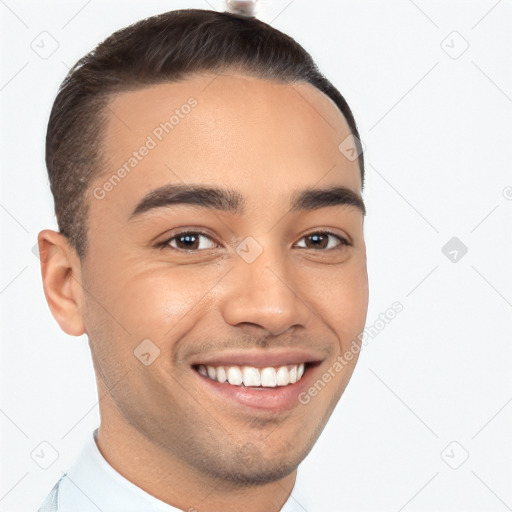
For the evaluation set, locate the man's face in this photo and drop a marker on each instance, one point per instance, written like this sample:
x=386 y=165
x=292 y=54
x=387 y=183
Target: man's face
x=258 y=282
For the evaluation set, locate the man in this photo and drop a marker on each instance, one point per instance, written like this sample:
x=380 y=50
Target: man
x=207 y=183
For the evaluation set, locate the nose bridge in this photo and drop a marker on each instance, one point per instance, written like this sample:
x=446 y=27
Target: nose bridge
x=263 y=290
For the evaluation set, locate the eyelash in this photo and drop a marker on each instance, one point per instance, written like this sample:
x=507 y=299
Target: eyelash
x=165 y=244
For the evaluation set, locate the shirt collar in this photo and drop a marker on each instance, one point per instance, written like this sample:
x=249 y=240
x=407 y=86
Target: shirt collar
x=93 y=485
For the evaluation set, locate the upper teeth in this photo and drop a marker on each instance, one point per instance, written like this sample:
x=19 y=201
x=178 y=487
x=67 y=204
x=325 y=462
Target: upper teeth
x=254 y=377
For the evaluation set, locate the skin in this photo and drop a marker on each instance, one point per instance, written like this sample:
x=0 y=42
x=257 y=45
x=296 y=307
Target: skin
x=158 y=429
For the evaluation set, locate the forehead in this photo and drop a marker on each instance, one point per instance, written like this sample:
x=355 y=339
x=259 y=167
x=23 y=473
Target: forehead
x=261 y=136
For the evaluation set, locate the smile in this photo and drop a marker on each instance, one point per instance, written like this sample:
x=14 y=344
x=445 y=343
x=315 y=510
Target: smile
x=254 y=377
x=262 y=390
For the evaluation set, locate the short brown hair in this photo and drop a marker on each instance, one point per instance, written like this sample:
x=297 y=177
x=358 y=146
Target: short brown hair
x=163 y=48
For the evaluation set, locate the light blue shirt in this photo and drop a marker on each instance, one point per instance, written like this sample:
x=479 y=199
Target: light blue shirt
x=93 y=485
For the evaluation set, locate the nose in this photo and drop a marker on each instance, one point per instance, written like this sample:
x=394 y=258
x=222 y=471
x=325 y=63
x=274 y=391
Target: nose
x=265 y=292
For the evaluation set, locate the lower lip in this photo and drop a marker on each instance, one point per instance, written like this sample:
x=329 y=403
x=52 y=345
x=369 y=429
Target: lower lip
x=277 y=399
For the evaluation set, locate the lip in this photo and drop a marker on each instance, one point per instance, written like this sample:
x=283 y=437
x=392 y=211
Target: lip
x=260 y=359
x=268 y=400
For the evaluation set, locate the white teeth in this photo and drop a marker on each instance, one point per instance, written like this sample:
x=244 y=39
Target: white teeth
x=221 y=374
x=234 y=375
x=250 y=376
x=211 y=372
x=268 y=377
x=282 y=376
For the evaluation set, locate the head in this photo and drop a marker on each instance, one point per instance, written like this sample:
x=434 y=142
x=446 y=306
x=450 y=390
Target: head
x=207 y=213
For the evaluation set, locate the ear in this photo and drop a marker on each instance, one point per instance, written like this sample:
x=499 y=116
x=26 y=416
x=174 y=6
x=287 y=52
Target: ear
x=61 y=273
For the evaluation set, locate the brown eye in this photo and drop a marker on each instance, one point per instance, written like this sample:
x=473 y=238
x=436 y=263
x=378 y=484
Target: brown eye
x=189 y=241
x=320 y=240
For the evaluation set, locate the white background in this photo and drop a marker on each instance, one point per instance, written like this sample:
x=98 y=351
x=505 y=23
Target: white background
x=437 y=131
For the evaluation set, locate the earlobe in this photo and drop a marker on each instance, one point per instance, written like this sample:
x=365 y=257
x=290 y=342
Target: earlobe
x=61 y=275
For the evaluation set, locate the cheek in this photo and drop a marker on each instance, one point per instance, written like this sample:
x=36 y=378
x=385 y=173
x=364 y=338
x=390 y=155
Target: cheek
x=155 y=302
x=342 y=300
x=159 y=305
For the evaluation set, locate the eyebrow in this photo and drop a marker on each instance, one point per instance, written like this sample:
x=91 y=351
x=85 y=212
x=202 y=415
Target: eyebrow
x=232 y=201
